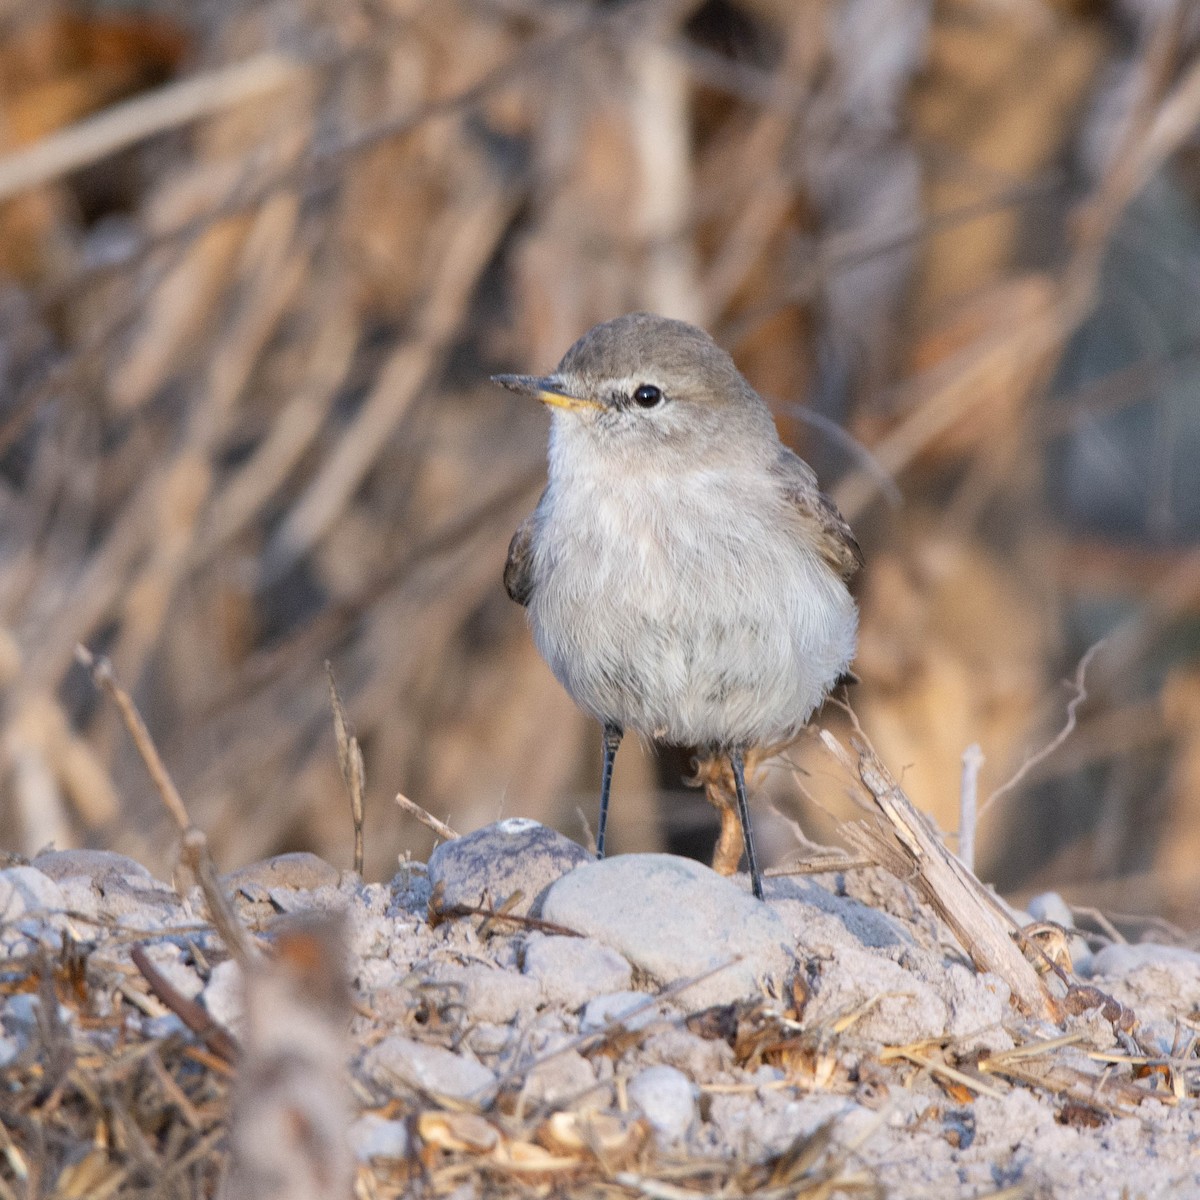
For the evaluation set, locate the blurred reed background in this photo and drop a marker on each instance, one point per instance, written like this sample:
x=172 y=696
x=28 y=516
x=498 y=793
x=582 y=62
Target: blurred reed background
x=257 y=261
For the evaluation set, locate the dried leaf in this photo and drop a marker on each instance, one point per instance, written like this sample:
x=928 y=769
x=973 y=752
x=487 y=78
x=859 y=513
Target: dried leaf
x=466 y=1133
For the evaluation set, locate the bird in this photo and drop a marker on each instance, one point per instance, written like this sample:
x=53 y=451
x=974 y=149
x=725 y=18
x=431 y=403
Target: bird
x=684 y=577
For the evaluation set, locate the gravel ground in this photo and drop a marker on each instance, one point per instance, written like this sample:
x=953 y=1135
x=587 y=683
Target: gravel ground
x=639 y=1026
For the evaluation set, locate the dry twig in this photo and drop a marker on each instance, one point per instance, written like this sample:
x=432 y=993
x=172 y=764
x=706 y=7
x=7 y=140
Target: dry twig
x=426 y=818
x=902 y=841
x=194 y=843
x=1080 y=690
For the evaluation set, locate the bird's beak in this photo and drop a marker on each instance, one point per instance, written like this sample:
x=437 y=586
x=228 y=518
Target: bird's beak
x=548 y=389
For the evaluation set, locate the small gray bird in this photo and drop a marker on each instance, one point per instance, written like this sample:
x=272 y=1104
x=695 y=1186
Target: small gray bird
x=684 y=576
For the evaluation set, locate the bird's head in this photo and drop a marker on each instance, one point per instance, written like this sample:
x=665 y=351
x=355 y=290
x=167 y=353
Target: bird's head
x=644 y=388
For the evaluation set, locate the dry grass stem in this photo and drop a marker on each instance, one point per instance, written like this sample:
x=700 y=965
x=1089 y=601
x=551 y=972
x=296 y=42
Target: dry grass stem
x=968 y=809
x=256 y=266
x=350 y=760
x=166 y=108
x=217 y=1038
x=427 y=819
x=194 y=843
x=918 y=1058
x=291 y=1103
x=834 y=861
x=104 y=678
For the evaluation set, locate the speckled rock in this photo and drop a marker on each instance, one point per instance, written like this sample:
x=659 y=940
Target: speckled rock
x=492 y=863
x=98 y=881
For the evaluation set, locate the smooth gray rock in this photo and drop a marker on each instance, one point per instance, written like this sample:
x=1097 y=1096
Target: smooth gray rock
x=676 y=919
x=299 y=870
x=489 y=865
x=1116 y=961
x=803 y=905
x=1050 y=906
x=94 y=882
x=666 y=1097
x=81 y=896
x=27 y=890
x=570 y=971
x=429 y=1069
x=137 y=903
x=92 y=864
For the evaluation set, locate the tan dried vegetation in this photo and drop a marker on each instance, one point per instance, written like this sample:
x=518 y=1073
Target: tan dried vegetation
x=254 y=277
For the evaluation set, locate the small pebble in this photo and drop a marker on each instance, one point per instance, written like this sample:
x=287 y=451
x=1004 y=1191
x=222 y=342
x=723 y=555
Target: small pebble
x=498 y=996
x=372 y=1136
x=570 y=971
x=222 y=995
x=666 y=1098
x=168 y=959
x=168 y=1025
x=487 y=1039
x=561 y=1082
x=427 y=1068
x=612 y=1007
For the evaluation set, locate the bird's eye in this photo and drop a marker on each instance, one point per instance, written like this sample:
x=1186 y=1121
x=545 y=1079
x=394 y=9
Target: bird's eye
x=647 y=396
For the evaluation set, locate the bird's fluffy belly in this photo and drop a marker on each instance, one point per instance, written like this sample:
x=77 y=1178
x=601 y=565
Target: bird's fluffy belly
x=678 y=630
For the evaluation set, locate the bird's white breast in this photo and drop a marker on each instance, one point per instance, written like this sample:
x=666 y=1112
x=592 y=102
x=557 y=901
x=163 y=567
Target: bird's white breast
x=685 y=605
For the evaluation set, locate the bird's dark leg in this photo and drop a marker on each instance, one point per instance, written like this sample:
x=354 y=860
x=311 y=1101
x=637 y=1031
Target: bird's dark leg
x=612 y=739
x=739 y=780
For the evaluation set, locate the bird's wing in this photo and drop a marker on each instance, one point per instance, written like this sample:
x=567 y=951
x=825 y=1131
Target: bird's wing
x=834 y=541
x=518 y=569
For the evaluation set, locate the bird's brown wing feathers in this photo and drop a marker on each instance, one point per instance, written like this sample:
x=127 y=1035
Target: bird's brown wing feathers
x=518 y=570
x=834 y=541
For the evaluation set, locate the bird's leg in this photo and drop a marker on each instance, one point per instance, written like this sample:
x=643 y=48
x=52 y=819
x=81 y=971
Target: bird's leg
x=739 y=782
x=715 y=775
x=612 y=739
